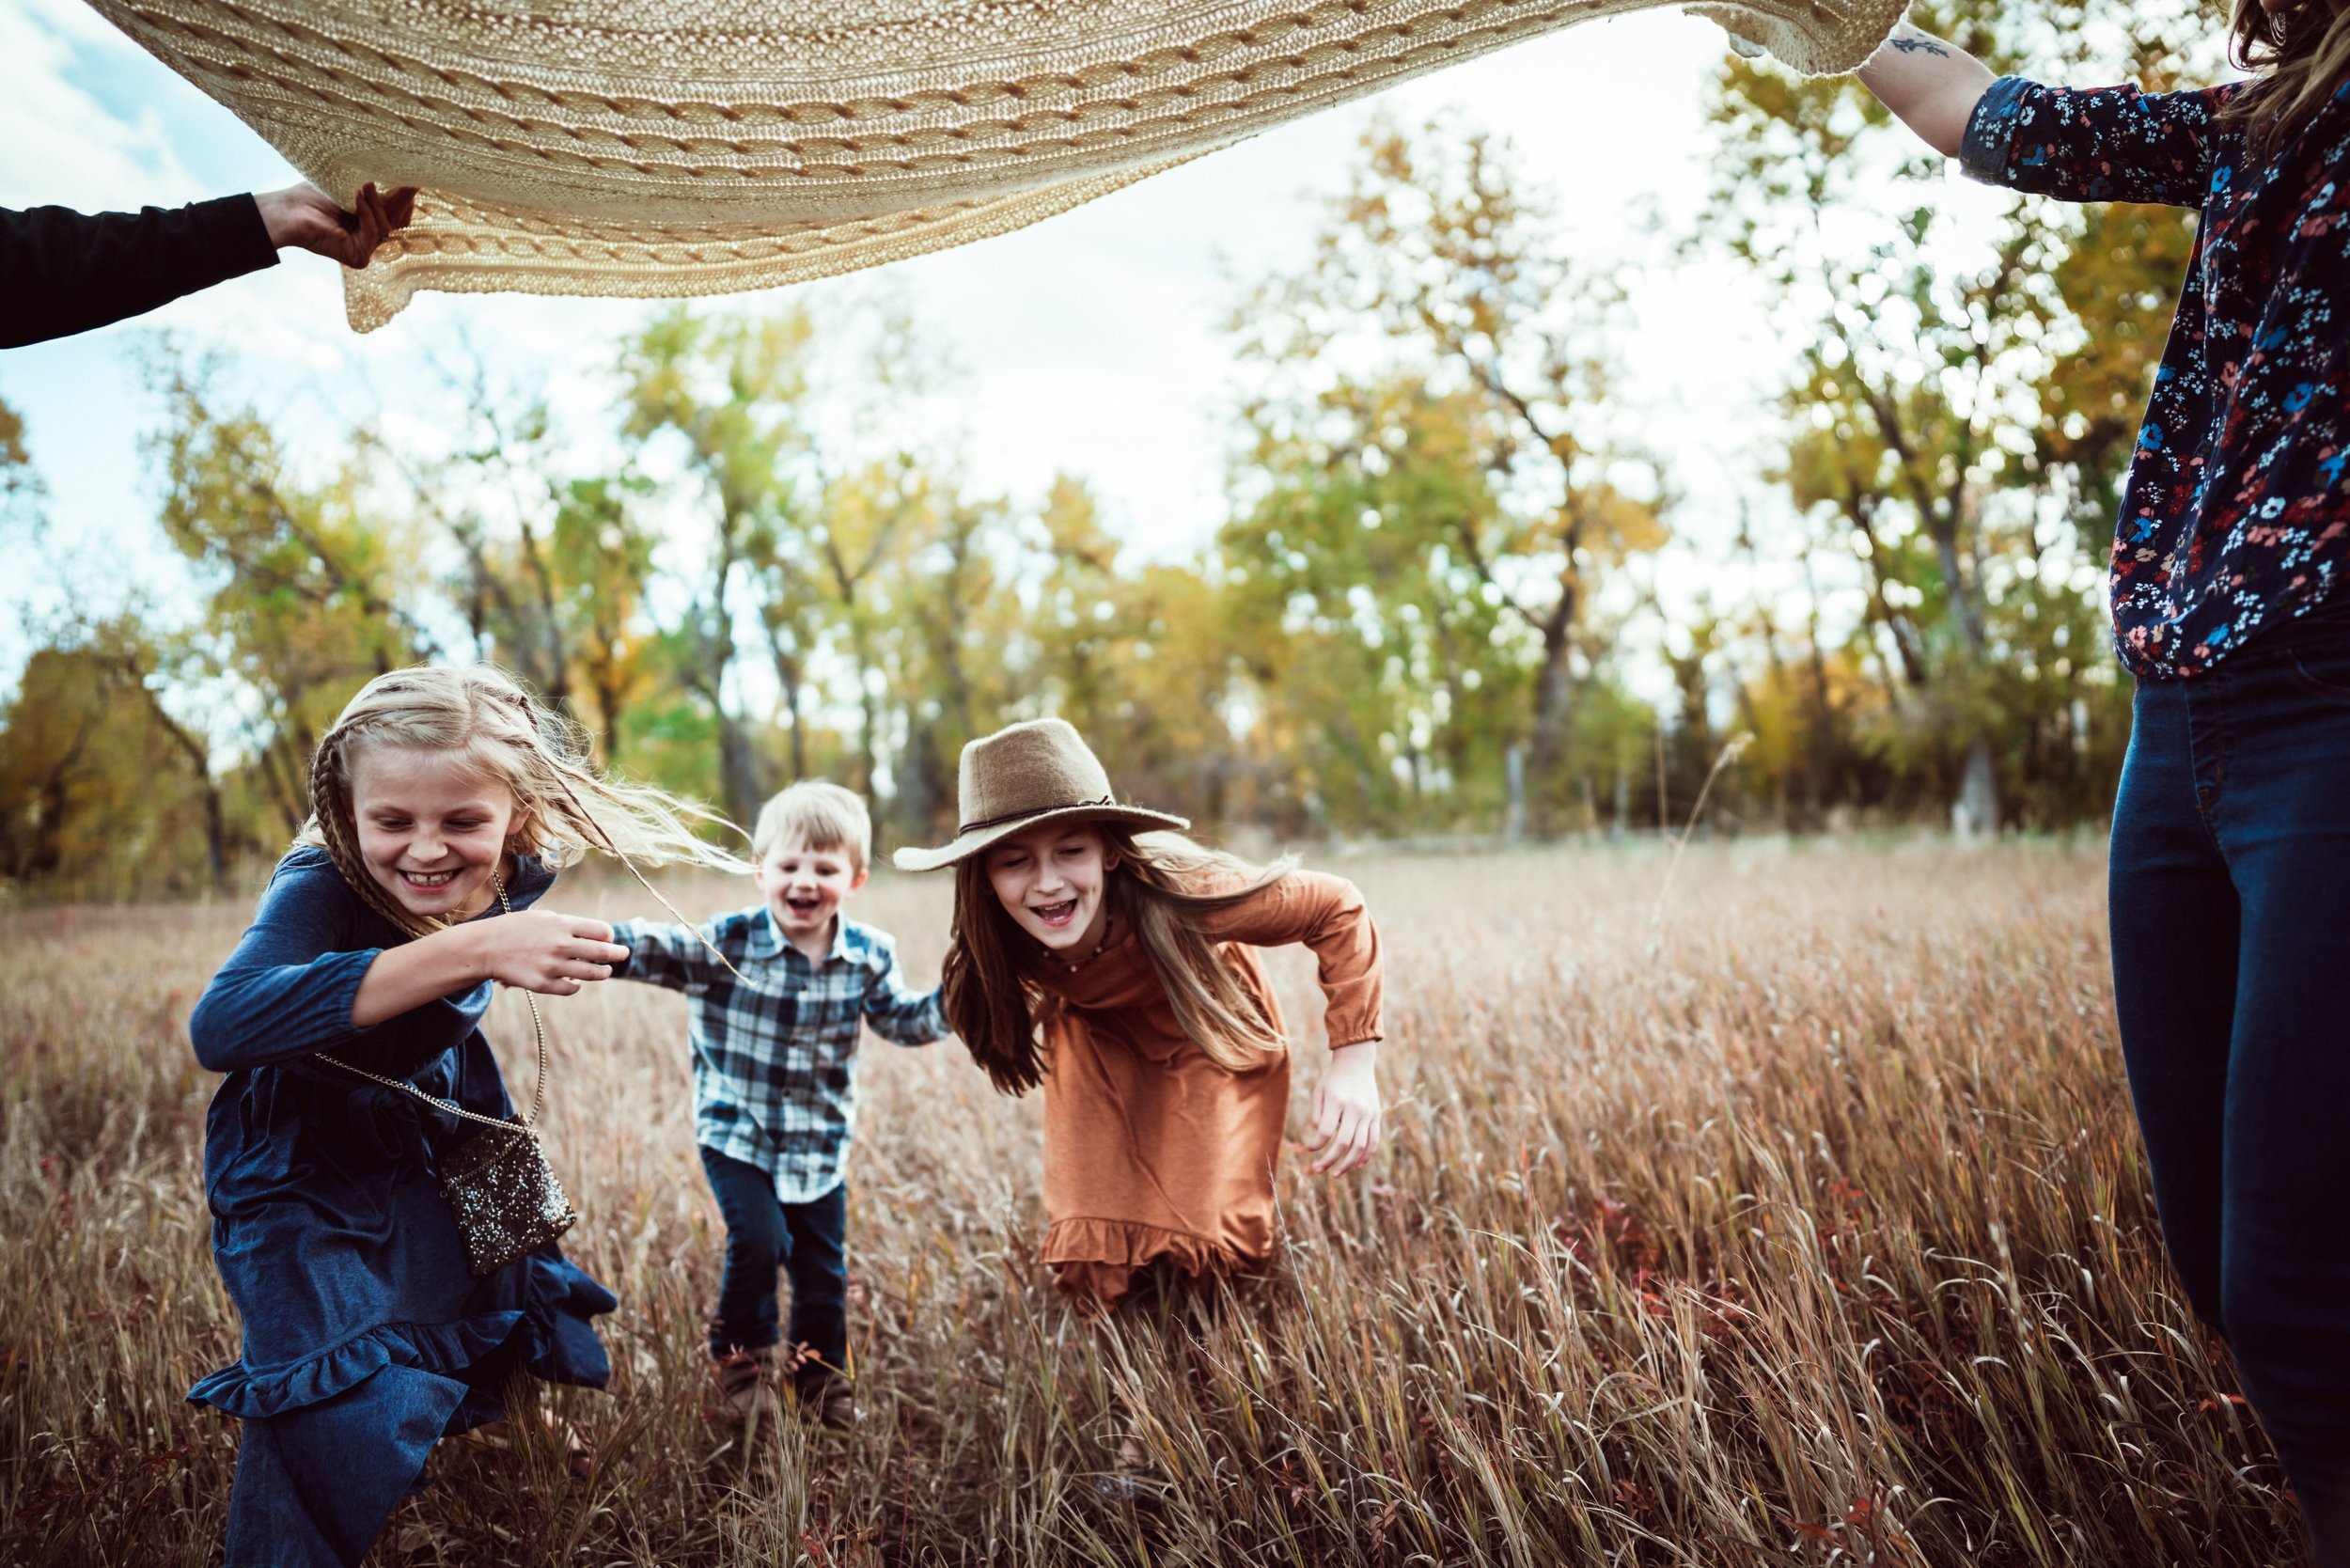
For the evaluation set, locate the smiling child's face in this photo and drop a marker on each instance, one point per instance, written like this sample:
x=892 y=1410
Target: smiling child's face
x=803 y=884
x=432 y=828
x=1050 y=881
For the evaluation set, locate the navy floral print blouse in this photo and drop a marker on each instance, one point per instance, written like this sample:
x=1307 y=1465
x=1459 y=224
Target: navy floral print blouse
x=2236 y=514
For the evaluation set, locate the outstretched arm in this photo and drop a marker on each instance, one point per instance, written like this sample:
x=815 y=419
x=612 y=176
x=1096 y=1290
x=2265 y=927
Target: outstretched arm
x=63 y=272
x=672 y=956
x=298 y=984
x=1931 y=86
x=899 y=1016
x=534 y=949
x=2075 y=143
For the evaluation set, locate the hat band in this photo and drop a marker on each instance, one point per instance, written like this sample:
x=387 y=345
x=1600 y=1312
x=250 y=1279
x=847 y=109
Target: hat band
x=1031 y=812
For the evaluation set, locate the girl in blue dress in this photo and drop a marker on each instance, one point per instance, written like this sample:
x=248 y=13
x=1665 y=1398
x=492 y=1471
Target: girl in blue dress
x=439 y=795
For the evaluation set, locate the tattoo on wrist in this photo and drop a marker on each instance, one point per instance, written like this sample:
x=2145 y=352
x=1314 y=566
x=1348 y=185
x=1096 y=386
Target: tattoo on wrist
x=1921 y=45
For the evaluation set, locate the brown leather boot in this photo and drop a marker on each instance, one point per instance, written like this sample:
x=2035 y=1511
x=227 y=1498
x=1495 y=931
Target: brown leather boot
x=827 y=1395
x=746 y=1383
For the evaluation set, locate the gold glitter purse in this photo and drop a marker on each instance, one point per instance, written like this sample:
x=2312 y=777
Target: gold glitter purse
x=505 y=1195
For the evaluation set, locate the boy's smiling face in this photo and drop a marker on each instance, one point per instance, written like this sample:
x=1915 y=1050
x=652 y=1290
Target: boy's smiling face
x=804 y=885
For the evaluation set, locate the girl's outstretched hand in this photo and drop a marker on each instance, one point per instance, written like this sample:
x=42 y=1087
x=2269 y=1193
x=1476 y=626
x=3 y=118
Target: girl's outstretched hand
x=540 y=951
x=1346 y=1109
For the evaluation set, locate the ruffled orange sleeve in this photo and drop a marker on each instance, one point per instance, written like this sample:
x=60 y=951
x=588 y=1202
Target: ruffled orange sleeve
x=1326 y=914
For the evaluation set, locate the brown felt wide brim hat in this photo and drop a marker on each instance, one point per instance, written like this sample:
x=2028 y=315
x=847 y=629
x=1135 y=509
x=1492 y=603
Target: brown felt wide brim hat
x=1020 y=777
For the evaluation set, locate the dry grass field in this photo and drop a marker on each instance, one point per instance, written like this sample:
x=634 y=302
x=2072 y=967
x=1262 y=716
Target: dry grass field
x=1804 y=1225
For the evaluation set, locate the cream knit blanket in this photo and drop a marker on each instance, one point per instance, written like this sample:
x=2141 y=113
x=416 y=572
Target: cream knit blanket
x=648 y=147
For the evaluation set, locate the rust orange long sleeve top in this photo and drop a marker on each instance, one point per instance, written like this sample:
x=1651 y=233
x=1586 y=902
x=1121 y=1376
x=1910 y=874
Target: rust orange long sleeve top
x=1152 y=1150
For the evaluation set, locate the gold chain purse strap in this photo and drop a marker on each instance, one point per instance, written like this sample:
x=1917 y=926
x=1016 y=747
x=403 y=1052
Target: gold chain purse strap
x=504 y=1194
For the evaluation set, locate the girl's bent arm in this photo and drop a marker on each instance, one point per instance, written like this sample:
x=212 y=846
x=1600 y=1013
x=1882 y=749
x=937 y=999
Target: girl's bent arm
x=1326 y=914
x=536 y=949
x=300 y=982
x=1931 y=86
x=287 y=991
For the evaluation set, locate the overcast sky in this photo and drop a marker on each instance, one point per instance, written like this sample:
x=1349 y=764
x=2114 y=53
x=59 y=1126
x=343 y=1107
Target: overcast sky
x=1090 y=343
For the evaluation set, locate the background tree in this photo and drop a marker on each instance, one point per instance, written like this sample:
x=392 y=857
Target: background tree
x=104 y=791
x=1444 y=597
x=1145 y=657
x=725 y=391
x=307 y=587
x=1955 y=408
x=1437 y=251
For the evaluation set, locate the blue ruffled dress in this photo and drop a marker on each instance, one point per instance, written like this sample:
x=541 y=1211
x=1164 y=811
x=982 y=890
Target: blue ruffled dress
x=366 y=1337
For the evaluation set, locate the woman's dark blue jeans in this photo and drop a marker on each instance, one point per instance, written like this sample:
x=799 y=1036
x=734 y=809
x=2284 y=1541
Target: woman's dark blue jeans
x=763 y=1234
x=2230 y=910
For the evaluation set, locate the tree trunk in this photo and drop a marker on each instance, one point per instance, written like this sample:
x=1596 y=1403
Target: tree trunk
x=200 y=760
x=1976 y=812
x=1514 y=815
x=555 y=682
x=792 y=677
x=738 y=769
x=608 y=704
x=1554 y=700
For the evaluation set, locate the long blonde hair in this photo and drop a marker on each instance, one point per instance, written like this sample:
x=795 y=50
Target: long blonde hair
x=2300 y=50
x=562 y=808
x=1164 y=885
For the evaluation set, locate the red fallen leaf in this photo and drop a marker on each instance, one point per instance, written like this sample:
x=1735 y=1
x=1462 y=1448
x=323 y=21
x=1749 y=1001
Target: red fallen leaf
x=1825 y=1534
x=2211 y=1407
x=1861 y=1513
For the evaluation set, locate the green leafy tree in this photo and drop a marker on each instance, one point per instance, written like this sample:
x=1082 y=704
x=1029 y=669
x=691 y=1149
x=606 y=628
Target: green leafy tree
x=308 y=591
x=16 y=464
x=726 y=391
x=552 y=566
x=103 y=788
x=1438 y=253
x=1962 y=409
x=1143 y=658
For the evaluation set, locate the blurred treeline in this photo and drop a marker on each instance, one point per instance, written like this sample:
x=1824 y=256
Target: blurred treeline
x=1422 y=615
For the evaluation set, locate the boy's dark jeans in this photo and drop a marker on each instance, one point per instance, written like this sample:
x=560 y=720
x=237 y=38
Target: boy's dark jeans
x=805 y=1240
x=2230 y=879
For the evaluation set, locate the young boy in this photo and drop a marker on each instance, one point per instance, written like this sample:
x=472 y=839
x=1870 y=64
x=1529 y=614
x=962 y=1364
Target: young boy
x=775 y=1085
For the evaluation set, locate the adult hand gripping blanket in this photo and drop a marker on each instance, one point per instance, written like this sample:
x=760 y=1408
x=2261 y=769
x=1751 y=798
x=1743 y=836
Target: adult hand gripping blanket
x=668 y=147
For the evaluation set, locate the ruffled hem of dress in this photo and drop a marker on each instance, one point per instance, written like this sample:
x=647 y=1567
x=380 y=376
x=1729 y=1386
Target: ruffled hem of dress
x=1096 y=1260
x=559 y=1300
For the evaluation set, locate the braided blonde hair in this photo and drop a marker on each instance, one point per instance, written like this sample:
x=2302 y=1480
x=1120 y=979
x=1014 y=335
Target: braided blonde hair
x=562 y=808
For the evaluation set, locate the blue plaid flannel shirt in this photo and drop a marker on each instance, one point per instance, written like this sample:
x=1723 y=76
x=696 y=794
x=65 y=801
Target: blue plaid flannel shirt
x=775 y=1053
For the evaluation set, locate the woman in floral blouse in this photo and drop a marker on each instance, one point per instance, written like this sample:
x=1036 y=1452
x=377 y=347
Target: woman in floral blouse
x=2231 y=835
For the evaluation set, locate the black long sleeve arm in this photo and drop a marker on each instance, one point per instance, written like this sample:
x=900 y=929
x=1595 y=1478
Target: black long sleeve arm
x=63 y=272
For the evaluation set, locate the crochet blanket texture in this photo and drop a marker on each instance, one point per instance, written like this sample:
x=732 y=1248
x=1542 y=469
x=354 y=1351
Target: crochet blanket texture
x=663 y=147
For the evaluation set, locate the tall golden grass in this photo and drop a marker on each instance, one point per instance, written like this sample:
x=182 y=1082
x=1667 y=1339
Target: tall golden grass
x=1804 y=1222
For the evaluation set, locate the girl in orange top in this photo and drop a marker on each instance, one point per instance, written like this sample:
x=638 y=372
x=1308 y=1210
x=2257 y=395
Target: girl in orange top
x=1109 y=961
